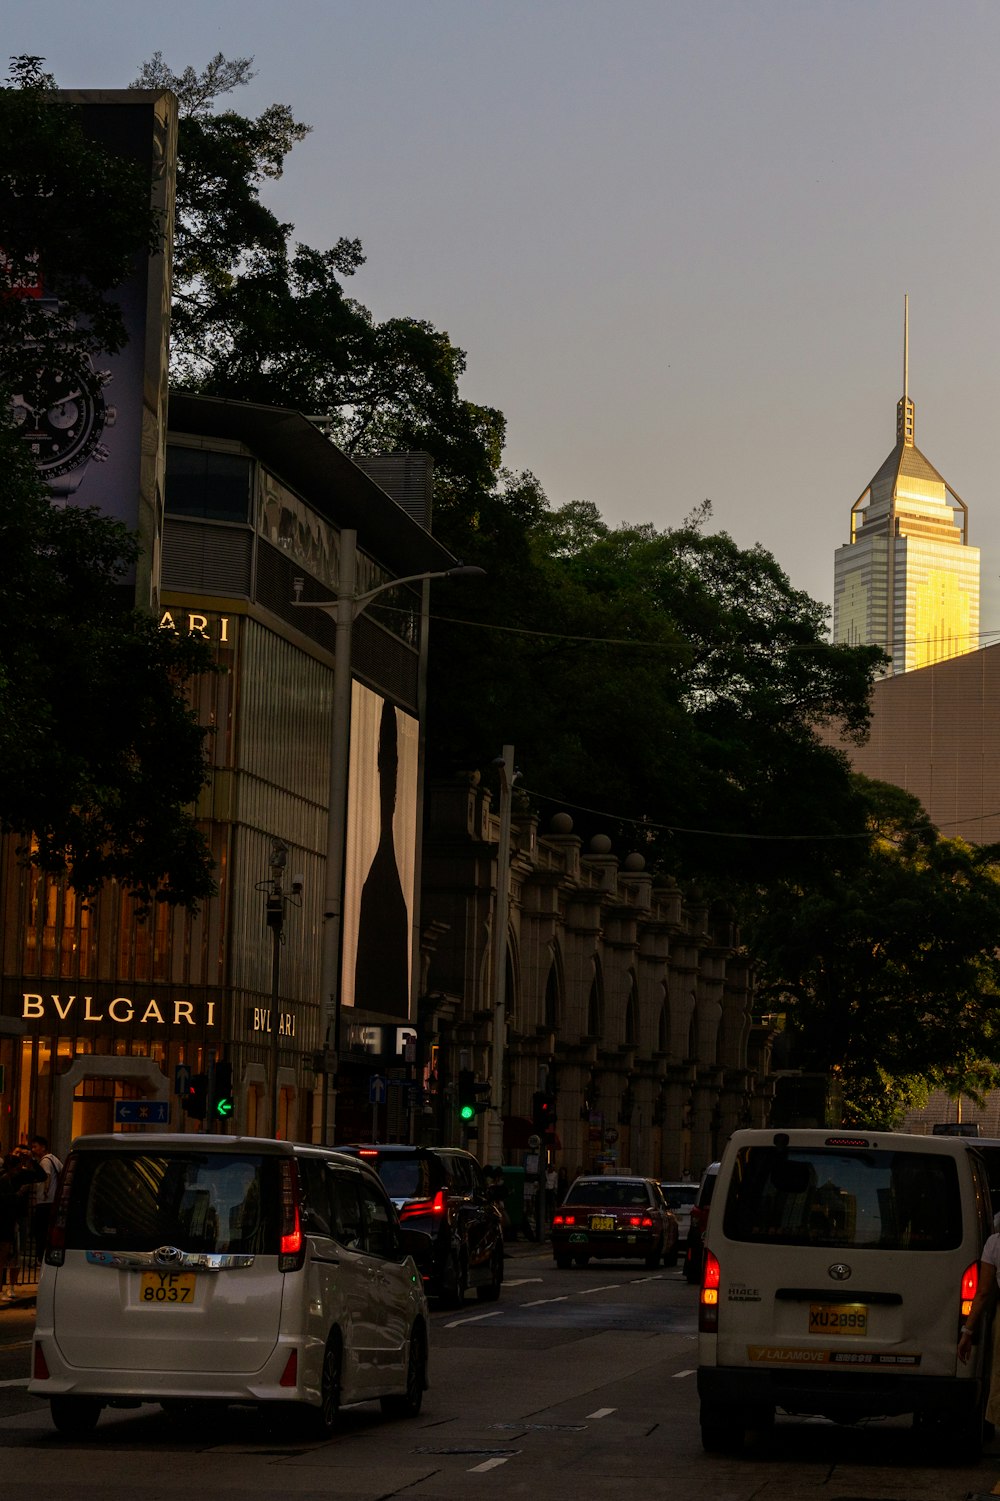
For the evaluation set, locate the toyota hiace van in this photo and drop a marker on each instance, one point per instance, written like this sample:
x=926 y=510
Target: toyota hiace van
x=839 y=1266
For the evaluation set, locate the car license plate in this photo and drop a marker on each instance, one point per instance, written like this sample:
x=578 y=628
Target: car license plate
x=167 y=1287
x=578 y=1238
x=602 y=1222
x=838 y=1318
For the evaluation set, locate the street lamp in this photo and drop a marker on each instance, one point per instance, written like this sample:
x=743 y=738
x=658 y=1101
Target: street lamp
x=345 y=609
x=275 y=909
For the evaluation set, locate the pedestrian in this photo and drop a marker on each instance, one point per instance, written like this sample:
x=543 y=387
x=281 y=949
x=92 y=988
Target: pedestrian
x=15 y=1176
x=562 y=1185
x=47 y=1170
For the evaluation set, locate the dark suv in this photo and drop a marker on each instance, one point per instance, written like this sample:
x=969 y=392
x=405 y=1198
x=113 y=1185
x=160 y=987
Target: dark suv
x=440 y=1193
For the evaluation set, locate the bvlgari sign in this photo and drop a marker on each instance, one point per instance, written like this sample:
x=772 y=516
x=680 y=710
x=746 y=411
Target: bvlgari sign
x=120 y=1011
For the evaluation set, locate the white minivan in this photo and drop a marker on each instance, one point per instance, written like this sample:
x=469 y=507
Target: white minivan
x=219 y=1269
x=839 y=1265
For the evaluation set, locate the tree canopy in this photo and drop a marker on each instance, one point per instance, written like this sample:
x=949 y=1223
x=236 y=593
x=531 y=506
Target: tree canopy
x=887 y=968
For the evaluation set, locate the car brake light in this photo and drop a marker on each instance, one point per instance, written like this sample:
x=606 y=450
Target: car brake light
x=292 y=1243
x=708 y=1302
x=564 y=1219
x=437 y=1205
x=367 y=1152
x=970 y=1284
x=55 y=1245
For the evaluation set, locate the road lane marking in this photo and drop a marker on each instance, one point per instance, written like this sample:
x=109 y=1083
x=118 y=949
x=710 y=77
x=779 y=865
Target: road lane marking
x=602 y=1412
x=520 y=1281
x=609 y=1287
x=474 y=1318
x=678 y=1374
x=539 y=1301
x=489 y=1464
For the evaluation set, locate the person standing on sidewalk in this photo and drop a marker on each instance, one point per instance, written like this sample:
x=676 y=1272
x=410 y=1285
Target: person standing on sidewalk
x=47 y=1170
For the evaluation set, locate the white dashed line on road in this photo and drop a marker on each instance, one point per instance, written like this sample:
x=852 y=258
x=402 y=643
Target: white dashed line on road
x=602 y=1412
x=678 y=1374
x=489 y=1464
x=539 y=1301
x=474 y=1318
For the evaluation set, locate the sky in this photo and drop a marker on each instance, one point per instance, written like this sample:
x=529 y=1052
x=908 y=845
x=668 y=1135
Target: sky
x=673 y=238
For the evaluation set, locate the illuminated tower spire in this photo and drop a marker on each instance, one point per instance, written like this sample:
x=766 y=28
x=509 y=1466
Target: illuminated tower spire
x=908 y=580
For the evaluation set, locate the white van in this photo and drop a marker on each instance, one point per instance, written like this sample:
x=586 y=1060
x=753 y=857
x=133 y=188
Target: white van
x=188 y=1269
x=839 y=1266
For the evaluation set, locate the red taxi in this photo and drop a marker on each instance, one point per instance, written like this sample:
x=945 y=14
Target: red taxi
x=614 y=1217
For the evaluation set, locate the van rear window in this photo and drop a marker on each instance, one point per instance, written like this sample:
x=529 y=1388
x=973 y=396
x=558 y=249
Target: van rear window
x=197 y=1201
x=875 y=1200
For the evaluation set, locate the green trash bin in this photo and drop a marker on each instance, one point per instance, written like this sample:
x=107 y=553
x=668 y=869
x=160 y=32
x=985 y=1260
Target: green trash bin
x=513 y=1182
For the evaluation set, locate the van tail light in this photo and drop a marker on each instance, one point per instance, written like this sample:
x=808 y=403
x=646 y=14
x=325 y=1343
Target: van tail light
x=708 y=1302
x=290 y=1375
x=970 y=1284
x=39 y=1365
x=55 y=1245
x=292 y=1244
x=437 y=1205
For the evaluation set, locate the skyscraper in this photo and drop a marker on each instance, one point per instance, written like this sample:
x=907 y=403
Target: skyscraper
x=908 y=580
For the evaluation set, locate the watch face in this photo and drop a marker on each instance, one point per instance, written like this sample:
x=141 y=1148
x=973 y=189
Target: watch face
x=61 y=415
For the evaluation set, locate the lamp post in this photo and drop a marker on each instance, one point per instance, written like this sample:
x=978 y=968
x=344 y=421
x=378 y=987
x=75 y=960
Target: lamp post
x=495 y=1134
x=345 y=609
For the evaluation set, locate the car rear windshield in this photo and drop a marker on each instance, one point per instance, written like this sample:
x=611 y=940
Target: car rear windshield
x=403 y=1177
x=856 y=1198
x=680 y=1196
x=615 y=1195
x=197 y=1201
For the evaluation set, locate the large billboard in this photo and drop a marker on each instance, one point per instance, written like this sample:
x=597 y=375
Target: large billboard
x=96 y=424
x=380 y=856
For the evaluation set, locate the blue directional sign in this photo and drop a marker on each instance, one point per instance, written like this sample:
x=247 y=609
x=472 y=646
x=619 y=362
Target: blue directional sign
x=182 y=1078
x=376 y=1090
x=142 y=1112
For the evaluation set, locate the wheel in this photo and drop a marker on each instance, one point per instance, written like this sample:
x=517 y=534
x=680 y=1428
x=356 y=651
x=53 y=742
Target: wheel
x=654 y=1258
x=491 y=1291
x=564 y=1263
x=321 y=1422
x=76 y=1417
x=457 y=1284
x=407 y=1404
x=722 y=1429
x=581 y=1258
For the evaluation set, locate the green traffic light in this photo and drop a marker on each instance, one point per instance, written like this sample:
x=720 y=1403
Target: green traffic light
x=224 y=1108
x=468 y=1112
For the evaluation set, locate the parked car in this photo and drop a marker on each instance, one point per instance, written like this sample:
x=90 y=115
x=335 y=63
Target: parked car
x=693 y=1255
x=614 y=1217
x=441 y=1196
x=222 y=1269
x=681 y=1198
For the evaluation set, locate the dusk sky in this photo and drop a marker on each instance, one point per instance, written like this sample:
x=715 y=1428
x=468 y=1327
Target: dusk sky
x=673 y=238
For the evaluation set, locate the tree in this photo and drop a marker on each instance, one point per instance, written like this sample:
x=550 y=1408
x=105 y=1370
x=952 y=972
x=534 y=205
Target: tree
x=100 y=755
x=257 y=319
x=887 y=966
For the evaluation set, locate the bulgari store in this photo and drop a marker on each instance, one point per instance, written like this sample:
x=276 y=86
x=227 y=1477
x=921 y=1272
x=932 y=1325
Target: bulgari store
x=105 y=1012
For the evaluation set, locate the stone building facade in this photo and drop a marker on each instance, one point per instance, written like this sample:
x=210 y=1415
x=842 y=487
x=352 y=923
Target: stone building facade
x=627 y=1000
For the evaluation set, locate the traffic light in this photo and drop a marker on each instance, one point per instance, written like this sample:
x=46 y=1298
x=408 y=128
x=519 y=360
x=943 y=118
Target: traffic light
x=466 y=1094
x=223 y=1103
x=543 y=1111
x=196 y=1097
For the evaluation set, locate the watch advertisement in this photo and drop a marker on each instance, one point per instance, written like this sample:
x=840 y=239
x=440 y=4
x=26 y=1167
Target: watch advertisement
x=96 y=424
